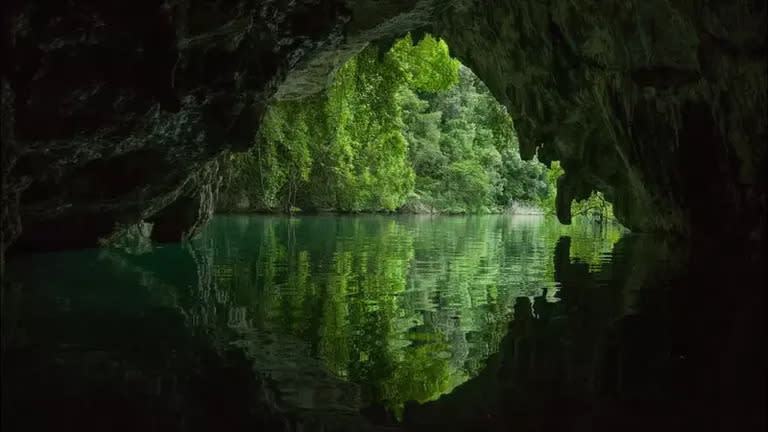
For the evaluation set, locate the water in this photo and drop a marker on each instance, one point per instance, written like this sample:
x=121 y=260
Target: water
x=266 y=322
x=377 y=310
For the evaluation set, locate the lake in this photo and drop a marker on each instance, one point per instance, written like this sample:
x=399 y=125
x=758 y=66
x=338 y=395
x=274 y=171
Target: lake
x=351 y=322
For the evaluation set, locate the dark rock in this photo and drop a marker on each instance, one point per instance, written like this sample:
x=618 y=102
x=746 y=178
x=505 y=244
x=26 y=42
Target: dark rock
x=110 y=108
x=185 y=216
x=10 y=190
x=117 y=106
x=607 y=88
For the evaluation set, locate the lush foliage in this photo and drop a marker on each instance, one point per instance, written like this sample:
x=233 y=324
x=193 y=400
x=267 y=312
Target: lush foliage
x=410 y=129
x=463 y=149
x=595 y=208
x=343 y=149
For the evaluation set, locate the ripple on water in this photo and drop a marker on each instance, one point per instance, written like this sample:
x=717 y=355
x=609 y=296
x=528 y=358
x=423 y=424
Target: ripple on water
x=339 y=313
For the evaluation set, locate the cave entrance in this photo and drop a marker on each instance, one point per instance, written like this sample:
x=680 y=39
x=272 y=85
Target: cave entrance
x=122 y=109
x=394 y=304
x=357 y=316
x=400 y=128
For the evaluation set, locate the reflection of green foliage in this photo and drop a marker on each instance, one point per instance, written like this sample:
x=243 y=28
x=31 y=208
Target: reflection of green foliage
x=408 y=307
x=585 y=249
x=421 y=375
x=334 y=338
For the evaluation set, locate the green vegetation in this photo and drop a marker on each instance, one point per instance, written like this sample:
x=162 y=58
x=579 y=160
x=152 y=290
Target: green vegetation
x=595 y=208
x=409 y=130
x=463 y=150
x=344 y=149
x=407 y=308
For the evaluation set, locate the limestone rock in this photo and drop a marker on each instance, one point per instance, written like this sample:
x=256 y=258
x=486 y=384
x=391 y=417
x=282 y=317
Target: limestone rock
x=111 y=108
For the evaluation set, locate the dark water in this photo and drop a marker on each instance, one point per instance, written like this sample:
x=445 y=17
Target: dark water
x=349 y=323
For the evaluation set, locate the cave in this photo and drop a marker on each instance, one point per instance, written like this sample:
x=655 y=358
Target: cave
x=115 y=117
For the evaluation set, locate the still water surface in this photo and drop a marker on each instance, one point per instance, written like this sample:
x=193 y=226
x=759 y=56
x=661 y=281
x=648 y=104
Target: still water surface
x=354 y=311
x=335 y=314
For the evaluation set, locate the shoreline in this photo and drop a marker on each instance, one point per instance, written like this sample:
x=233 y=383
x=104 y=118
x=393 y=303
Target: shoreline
x=372 y=212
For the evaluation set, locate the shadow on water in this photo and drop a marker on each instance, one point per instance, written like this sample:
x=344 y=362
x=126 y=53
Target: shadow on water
x=657 y=339
x=120 y=356
x=373 y=323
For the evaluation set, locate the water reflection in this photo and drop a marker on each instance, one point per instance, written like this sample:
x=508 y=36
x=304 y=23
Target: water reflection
x=341 y=314
x=405 y=308
x=609 y=356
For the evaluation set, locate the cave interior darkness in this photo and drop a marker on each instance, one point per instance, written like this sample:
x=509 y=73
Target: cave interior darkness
x=115 y=113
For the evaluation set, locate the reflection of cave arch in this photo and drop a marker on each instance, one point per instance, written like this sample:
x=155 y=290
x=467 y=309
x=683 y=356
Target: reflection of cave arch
x=601 y=352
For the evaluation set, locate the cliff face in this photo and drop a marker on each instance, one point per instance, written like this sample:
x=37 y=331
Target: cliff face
x=114 y=112
x=661 y=105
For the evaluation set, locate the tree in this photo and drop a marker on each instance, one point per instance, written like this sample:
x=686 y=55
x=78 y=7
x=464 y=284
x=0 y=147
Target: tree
x=467 y=183
x=466 y=124
x=407 y=129
x=345 y=149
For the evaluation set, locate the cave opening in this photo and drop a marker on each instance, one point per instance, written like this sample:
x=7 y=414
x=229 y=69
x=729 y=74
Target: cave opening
x=365 y=270
x=402 y=132
x=402 y=128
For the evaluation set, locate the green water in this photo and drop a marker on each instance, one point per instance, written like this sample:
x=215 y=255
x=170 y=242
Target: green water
x=407 y=308
x=339 y=313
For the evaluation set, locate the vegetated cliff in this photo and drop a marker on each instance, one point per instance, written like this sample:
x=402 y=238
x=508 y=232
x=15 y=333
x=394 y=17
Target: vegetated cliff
x=114 y=111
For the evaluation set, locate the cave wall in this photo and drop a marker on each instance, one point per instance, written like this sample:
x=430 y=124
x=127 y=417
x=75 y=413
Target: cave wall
x=118 y=108
x=114 y=112
x=659 y=104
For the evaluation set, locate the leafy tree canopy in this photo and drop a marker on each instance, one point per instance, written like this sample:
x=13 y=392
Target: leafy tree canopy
x=410 y=129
